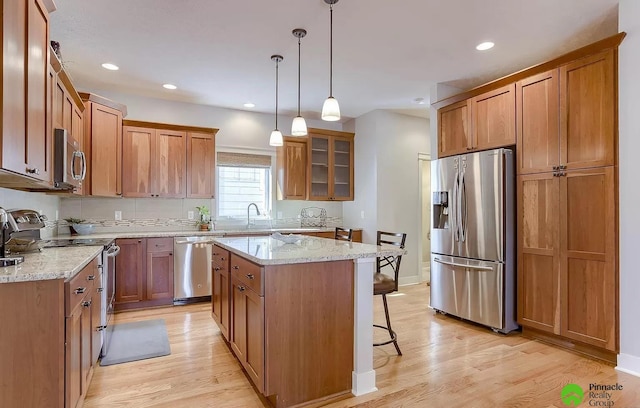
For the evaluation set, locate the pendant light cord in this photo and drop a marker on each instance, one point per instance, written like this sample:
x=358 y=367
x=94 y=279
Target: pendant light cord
x=298 y=76
x=331 y=52
x=276 y=94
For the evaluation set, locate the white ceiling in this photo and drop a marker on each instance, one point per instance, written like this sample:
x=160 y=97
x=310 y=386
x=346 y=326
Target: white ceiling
x=386 y=53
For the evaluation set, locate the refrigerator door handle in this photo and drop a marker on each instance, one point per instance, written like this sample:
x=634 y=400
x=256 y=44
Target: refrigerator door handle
x=454 y=212
x=482 y=268
x=463 y=209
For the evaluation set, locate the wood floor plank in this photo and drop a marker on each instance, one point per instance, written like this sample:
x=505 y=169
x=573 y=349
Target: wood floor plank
x=446 y=363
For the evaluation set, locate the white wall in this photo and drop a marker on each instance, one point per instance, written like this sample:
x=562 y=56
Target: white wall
x=629 y=146
x=387 y=181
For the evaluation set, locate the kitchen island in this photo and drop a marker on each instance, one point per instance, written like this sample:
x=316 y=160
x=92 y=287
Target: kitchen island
x=298 y=316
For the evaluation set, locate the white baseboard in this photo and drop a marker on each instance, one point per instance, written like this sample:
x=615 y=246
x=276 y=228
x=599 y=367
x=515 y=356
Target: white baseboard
x=409 y=280
x=628 y=364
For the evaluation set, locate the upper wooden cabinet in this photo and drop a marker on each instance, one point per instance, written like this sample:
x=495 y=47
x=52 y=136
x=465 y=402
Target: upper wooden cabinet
x=103 y=145
x=483 y=122
x=291 y=169
x=201 y=164
x=588 y=109
x=25 y=140
x=330 y=165
x=566 y=116
x=163 y=160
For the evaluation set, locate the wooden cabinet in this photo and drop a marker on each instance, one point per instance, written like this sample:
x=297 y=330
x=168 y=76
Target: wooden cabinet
x=356 y=236
x=247 y=309
x=201 y=165
x=291 y=169
x=103 y=145
x=330 y=165
x=25 y=142
x=483 y=122
x=220 y=289
x=154 y=161
x=144 y=273
x=588 y=112
x=566 y=116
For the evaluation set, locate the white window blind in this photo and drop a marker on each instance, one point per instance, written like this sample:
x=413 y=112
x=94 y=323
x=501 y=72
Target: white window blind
x=243 y=179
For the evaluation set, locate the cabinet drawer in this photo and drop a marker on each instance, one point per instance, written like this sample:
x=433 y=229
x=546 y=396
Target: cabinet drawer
x=248 y=273
x=220 y=257
x=79 y=286
x=159 y=244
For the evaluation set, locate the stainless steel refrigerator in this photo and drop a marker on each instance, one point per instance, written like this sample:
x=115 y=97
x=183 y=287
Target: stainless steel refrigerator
x=472 y=238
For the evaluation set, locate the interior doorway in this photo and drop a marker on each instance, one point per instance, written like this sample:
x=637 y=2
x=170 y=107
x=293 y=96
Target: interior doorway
x=425 y=215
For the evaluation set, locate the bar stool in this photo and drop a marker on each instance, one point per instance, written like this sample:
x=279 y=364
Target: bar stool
x=343 y=234
x=384 y=284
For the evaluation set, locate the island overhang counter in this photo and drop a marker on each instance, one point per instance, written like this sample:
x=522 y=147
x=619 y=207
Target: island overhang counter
x=298 y=316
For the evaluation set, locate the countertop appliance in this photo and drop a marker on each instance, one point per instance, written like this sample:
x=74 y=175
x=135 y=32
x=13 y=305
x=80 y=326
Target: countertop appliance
x=107 y=279
x=191 y=269
x=20 y=224
x=472 y=238
x=69 y=163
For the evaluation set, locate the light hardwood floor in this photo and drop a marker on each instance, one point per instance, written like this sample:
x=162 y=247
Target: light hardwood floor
x=446 y=363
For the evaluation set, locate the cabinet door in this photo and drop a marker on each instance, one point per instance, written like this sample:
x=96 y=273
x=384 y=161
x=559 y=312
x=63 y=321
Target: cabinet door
x=255 y=338
x=291 y=163
x=106 y=153
x=494 y=118
x=86 y=330
x=96 y=323
x=130 y=270
x=537 y=123
x=588 y=112
x=318 y=148
x=138 y=148
x=159 y=275
x=220 y=298
x=538 y=252
x=588 y=271
x=170 y=163
x=342 y=169
x=238 y=332
x=454 y=122
x=73 y=358
x=200 y=165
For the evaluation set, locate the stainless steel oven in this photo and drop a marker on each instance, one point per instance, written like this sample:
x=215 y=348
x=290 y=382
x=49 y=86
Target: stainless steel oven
x=108 y=293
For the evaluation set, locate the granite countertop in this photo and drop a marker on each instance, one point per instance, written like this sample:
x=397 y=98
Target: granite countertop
x=64 y=263
x=51 y=263
x=270 y=251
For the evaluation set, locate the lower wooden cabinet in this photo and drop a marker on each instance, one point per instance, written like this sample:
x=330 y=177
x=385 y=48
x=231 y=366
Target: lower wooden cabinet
x=220 y=286
x=356 y=236
x=567 y=273
x=144 y=273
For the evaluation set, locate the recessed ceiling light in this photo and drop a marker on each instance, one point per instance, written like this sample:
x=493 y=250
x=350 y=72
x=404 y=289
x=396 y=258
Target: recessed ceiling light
x=170 y=86
x=484 y=46
x=249 y=105
x=419 y=101
x=110 y=67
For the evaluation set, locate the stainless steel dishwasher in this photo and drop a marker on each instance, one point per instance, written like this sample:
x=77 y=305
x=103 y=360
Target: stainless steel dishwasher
x=191 y=269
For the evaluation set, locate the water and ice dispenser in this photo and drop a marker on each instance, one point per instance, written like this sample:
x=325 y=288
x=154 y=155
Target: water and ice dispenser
x=440 y=209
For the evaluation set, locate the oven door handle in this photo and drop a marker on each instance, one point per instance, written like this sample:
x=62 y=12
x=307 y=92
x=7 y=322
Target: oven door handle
x=113 y=251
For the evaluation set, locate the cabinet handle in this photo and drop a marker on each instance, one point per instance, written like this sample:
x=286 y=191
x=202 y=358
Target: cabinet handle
x=562 y=174
x=241 y=288
x=216 y=268
x=563 y=167
x=91 y=277
x=34 y=170
x=556 y=167
x=250 y=276
x=86 y=304
x=236 y=267
x=222 y=258
x=170 y=253
x=215 y=254
x=100 y=290
x=139 y=241
x=79 y=291
x=100 y=328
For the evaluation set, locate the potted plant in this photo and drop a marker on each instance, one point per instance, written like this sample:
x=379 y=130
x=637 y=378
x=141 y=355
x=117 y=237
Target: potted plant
x=205 y=217
x=73 y=223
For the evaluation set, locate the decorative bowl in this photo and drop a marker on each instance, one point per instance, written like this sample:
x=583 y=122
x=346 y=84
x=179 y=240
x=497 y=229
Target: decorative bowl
x=287 y=239
x=82 y=229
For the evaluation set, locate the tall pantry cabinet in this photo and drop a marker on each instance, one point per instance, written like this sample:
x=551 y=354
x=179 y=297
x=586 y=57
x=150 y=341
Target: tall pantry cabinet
x=567 y=200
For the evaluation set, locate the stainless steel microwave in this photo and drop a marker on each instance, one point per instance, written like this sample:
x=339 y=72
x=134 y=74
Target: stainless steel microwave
x=69 y=163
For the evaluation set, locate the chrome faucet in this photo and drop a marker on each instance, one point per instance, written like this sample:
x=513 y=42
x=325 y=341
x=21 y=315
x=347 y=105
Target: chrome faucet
x=257 y=212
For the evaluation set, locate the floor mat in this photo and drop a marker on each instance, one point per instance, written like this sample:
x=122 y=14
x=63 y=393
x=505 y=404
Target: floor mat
x=136 y=341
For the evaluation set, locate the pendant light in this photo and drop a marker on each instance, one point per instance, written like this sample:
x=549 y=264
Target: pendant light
x=299 y=126
x=331 y=109
x=276 y=135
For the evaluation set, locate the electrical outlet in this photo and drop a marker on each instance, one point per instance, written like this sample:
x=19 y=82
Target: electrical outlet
x=57 y=215
x=279 y=215
x=118 y=215
x=190 y=215
x=362 y=214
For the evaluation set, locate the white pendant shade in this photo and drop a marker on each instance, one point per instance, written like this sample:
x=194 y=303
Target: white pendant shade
x=331 y=110
x=276 y=138
x=299 y=126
